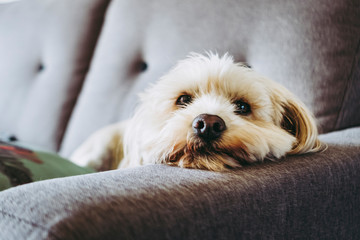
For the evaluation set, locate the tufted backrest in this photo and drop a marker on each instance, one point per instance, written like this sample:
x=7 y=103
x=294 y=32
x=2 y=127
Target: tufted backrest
x=46 y=47
x=311 y=47
x=45 y=52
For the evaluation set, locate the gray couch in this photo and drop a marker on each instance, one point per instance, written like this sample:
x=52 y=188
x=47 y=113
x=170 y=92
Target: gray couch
x=69 y=67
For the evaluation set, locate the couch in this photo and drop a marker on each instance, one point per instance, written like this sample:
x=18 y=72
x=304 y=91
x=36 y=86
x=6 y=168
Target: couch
x=68 y=68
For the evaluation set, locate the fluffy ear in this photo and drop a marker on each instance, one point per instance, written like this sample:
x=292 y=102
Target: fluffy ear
x=293 y=116
x=298 y=121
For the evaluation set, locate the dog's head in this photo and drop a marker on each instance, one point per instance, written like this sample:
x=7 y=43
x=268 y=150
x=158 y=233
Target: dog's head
x=211 y=113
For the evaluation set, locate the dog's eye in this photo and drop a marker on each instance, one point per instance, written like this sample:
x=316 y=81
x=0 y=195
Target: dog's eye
x=242 y=108
x=183 y=100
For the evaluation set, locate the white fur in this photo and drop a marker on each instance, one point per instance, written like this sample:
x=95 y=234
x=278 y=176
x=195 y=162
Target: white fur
x=160 y=130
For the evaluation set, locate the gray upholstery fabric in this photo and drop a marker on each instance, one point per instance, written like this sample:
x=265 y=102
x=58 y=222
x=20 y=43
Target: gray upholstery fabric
x=315 y=196
x=349 y=137
x=45 y=52
x=312 y=47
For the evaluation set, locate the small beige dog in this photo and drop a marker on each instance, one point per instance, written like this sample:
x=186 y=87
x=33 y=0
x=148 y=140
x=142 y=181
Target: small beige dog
x=207 y=113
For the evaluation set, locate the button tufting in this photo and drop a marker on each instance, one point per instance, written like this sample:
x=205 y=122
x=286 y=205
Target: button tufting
x=13 y=138
x=40 y=67
x=142 y=66
x=138 y=66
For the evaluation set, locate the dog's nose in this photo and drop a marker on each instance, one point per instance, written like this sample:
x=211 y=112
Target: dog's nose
x=208 y=126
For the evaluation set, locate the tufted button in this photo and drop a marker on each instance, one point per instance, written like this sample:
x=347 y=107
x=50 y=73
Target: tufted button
x=13 y=138
x=142 y=66
x=40 y=67
x=137 y=66
x=6 y=137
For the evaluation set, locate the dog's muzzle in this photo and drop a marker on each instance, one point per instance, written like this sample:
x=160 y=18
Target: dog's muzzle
x=208 y=127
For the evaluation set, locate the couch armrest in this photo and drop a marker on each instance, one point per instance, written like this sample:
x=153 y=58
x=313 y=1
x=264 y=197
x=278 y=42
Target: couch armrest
x=313 y=196
x=346 y=137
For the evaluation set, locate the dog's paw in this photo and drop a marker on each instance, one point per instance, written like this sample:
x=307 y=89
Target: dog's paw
x=101 y=151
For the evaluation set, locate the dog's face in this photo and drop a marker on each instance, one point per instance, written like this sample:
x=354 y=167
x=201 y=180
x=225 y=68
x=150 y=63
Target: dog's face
x=211 y=113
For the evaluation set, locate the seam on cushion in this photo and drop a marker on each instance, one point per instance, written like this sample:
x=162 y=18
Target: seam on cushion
x=349 y=81
x=30 y=223
x=65 y=116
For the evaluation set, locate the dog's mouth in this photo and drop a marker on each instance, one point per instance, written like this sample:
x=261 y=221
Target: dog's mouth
x=207 y=154
x=206 y=146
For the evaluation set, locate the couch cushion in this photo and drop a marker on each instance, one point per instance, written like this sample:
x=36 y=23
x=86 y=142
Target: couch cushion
x=310 y=47
x=314 y=196
x=45 y=47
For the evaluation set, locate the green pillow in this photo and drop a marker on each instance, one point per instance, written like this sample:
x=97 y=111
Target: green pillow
x=20 y=165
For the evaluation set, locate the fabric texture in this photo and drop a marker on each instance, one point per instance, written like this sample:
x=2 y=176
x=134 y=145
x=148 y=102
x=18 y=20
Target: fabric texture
x=45 y=47
x=310 y=47
x=314 y=196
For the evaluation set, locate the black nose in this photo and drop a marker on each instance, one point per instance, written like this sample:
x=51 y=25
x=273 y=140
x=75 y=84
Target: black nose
x=208 y=126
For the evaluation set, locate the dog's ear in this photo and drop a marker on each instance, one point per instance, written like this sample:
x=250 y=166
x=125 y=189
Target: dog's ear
x=298 y=121
x=294 y=117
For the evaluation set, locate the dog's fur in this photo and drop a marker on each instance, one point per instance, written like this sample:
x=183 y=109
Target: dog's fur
x=161 y=129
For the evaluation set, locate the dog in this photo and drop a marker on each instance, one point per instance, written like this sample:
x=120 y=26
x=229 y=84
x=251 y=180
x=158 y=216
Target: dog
x=208 y=113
